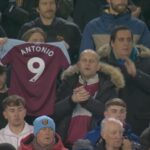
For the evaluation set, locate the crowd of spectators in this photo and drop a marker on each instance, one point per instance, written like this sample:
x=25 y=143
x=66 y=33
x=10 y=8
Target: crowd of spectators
x=75 y=74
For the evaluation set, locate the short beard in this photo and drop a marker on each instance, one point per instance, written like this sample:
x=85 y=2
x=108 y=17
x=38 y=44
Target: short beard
x=119 y=8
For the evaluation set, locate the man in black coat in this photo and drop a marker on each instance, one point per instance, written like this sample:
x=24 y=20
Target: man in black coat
x=82 y=95
x=134 y=63
x=57 y=29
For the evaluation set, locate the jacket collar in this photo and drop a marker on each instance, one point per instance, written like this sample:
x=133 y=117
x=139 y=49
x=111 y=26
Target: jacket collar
x=115 y=74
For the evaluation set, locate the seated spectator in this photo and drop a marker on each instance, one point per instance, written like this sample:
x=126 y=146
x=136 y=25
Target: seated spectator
x=84 y=90
x=14 y=111
x=57 y=29
x=145 y=139
x=34 y=35
x=97 y=31
x=3 y=94
x=117 y=109
x=134 y=63
x=44 y=137
x=112 y=136
x=6 y=146
x=33 y=77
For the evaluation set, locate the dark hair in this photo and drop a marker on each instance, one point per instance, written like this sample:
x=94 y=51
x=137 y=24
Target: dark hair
x=13 y=100
x=28 y=33
x=6 y=146
x=116 y=30
x=38 y=1
x=2 y=69
x=116 y=102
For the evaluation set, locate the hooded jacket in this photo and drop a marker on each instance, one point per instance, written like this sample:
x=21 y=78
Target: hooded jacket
x=26 y=143
x=136 y=92
x=97 y=31
x=110 y=81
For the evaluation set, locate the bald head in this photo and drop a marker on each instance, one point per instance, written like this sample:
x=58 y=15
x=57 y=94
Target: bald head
x=88 y=63
x=90 y=52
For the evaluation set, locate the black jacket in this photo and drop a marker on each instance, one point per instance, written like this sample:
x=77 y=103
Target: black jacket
x=136 y=93
x=110 y=81
x=58 y=30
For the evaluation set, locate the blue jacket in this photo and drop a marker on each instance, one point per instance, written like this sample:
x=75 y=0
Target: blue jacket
x=98 y=30
x=94 y=135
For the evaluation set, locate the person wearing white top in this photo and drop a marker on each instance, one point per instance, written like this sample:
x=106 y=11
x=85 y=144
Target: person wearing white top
x=14 y=111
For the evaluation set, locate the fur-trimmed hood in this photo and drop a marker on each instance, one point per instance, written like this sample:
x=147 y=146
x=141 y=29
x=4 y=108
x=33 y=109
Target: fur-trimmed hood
x=115 y=74
x=105 y=50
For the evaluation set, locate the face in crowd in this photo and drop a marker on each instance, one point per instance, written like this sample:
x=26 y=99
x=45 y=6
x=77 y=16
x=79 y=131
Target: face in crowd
x=118 y=6
x=117 y=112
x=15 y=114
x=122 y=44
x=112 y=133
x=45 y=137
x=36 y=37
x=47 y=9
x=88 y=63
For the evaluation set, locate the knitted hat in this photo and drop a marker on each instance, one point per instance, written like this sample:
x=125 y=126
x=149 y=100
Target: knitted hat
x=43 y=122
x=6 y=146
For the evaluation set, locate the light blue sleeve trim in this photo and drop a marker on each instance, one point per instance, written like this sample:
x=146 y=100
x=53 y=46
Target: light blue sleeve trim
x=61 y=45
x=10 y=43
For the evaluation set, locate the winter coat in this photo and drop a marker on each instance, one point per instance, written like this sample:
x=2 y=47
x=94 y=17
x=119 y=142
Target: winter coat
x=136 y=92
x=94 y=135
x=110 y=81
x=97 y=31
x=26 y=143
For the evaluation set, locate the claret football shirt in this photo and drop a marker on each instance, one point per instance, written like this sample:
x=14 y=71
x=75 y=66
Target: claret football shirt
x=35 y=67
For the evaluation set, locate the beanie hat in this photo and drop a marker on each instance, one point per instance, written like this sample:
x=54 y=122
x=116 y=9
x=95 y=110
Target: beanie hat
x=43 y=122
x=6 y=146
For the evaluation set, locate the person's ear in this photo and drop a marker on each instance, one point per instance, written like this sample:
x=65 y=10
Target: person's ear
x=5 y=114
x=37 y=10
x=103 y=135
x=78 y=64
x=105 y=114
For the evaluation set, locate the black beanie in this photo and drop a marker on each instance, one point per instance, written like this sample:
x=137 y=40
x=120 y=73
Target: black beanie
x=6 y=146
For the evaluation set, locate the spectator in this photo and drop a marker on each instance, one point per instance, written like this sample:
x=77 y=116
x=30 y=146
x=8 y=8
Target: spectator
x=85 y=89
x=57 y=29
x=44 y=136
x=134 y=63
x=29 y=80
x=3 y=94
x=117 y=109
x=97 y=31
x=14 y=111
x=145 y=139
x=34 y=35
x=112 y=136
x=6 y=146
